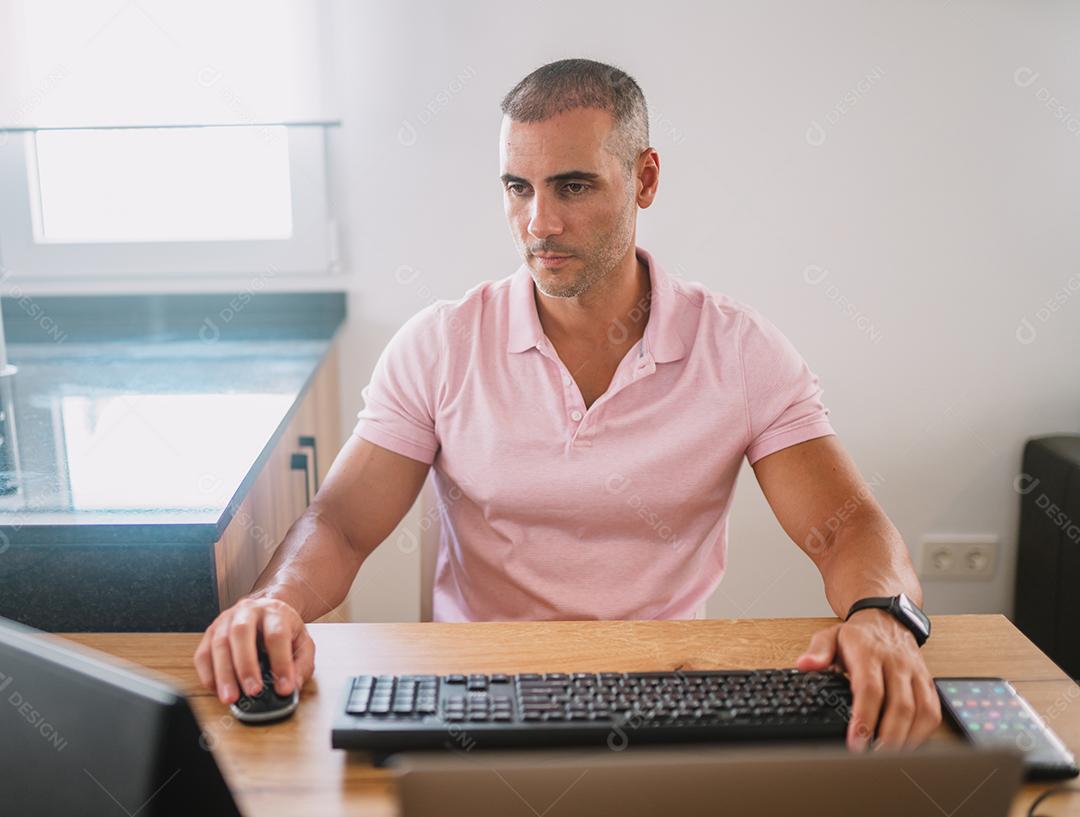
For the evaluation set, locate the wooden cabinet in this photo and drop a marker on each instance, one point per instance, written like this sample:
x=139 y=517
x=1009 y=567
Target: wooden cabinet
x=282 y=489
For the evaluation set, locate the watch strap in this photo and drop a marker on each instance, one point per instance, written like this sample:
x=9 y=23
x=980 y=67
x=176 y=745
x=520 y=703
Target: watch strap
x=891 y=604
x=878 y=602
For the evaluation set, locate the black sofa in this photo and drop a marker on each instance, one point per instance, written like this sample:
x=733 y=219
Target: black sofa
x=1047 y=606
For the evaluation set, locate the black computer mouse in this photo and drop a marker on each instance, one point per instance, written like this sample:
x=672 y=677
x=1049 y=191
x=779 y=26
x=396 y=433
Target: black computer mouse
x=267 y=706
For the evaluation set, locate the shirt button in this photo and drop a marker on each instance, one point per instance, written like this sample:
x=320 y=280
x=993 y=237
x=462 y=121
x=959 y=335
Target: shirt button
x=576 y=415
x=566 y=379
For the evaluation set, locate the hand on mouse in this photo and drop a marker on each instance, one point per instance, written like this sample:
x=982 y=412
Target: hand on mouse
x=227 y=656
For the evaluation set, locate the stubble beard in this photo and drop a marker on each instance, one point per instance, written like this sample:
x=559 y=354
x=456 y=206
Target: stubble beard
x=597 y=263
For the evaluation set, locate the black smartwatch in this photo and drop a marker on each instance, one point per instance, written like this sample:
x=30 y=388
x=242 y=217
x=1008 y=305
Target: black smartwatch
x=903 y=609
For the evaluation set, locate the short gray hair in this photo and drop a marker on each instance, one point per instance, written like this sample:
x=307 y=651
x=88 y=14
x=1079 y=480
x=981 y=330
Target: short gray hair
x=579 y=83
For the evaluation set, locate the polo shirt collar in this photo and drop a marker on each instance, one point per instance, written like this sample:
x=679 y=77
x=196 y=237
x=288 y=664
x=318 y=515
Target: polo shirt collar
x=662 y=339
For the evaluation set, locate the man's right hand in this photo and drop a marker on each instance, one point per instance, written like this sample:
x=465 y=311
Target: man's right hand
x=325 y=546
x=227 y=658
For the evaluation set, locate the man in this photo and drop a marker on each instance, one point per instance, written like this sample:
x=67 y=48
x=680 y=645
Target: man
x=586 y=418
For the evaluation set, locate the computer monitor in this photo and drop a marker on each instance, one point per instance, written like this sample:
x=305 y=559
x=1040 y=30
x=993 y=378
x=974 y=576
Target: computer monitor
x=80 y=734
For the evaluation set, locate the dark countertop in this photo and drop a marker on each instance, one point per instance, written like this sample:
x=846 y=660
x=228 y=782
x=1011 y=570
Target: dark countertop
x=141 y=419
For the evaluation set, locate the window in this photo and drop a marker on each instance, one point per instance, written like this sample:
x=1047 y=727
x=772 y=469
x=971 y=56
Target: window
x=152 y=185
x=164 y=200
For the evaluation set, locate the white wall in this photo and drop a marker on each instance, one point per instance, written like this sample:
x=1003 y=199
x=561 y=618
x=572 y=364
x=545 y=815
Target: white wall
x=942 y=202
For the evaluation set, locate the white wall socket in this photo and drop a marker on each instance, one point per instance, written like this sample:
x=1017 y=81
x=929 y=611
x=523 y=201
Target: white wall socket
x=959 y=556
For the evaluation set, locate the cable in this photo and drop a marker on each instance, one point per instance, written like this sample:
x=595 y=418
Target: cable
x=1061 y=789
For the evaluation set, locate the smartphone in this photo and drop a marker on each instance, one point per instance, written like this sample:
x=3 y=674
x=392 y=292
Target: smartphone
x=990 y=712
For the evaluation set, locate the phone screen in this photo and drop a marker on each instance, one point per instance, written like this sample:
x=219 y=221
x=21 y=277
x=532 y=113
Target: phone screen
x=992 y=713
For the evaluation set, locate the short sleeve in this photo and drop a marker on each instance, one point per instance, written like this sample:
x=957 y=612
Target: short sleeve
x=399 y=402
x=783 y=397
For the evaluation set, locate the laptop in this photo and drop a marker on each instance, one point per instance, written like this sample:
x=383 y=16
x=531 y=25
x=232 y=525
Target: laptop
x=80 y=734
x=748 y=780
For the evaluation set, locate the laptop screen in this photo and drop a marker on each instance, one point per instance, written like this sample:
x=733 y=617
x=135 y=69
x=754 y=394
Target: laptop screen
x=84 y=735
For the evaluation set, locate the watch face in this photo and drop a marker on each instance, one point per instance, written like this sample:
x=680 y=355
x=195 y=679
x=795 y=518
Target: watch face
x=913 y=613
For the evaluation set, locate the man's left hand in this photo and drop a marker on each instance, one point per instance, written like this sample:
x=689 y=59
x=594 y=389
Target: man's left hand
x=892 y=690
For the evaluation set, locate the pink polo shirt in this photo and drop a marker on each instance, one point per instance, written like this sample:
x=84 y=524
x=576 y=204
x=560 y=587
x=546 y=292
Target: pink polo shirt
x=550 y=510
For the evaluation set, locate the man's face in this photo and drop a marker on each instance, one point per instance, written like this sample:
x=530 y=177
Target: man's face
x=565 y=193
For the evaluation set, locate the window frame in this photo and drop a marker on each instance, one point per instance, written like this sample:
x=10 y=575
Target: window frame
x=311 y=249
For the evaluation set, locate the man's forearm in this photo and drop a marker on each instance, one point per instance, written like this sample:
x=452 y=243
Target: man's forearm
x=313 y=567
x=867 y=557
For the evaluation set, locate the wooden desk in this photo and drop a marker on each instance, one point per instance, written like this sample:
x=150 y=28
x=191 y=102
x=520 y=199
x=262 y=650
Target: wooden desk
x=290 y=769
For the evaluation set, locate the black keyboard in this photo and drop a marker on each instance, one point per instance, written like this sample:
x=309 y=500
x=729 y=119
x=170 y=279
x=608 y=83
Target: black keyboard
x=393 y=712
